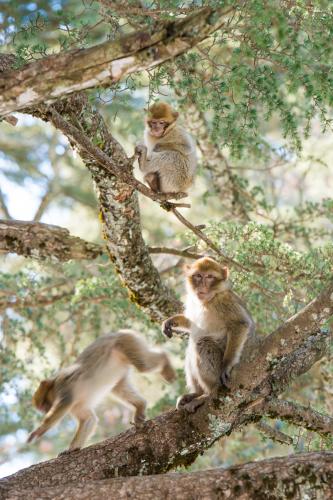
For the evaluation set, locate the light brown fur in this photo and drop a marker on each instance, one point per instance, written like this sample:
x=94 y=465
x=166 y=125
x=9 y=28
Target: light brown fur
x=102 y=367
x=219 y=325
x=168 y=157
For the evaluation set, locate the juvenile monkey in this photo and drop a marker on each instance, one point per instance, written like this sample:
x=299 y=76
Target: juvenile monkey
x=218 y=323
x=168 y=158
x=102 y=367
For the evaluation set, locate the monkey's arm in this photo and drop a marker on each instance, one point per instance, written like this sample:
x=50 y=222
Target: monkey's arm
x=238 y=331
x=177 y=322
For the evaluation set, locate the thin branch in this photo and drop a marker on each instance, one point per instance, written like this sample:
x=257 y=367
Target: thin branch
x=299 y=415
x=3 y=206
x=273 y=434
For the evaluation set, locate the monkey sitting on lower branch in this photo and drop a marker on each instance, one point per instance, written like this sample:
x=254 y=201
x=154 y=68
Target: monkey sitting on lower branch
x=102 y=367
x=219 y=325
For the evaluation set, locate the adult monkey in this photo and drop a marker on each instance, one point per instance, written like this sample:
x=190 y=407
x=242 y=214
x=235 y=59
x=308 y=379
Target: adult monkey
x=168 y=157
x=219 y=324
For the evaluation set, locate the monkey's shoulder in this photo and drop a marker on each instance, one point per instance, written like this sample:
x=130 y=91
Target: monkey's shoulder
x=229 y=304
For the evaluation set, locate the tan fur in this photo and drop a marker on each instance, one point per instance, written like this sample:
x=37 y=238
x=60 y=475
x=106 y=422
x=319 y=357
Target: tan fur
x=219 y=325
x=102 y=367
x=168 y=162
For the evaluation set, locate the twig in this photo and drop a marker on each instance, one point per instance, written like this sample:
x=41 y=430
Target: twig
x=174 y=251
x=274 y=434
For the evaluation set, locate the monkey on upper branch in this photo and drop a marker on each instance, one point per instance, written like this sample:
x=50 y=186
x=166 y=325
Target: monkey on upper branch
x=219 y=325
x=102 y=367
x=168 y=158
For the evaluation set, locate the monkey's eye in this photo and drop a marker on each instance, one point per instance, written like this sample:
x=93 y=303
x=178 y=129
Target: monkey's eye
x=197 y=277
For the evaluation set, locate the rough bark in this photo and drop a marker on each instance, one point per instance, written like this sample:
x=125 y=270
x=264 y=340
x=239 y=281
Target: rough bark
x=300 y=415
x=44 y=241
x=176 y=437
x=119 y=207
x=51 y=77
x=300 y=476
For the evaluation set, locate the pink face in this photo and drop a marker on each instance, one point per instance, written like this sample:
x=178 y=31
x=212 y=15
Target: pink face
x=157 y=127
x=205 y=285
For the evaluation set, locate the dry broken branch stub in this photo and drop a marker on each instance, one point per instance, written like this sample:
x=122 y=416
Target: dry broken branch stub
x=54 y=76
x=299 y=476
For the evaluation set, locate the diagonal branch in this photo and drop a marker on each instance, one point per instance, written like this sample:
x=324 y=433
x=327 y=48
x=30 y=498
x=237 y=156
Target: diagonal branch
x=51 y=77
x=176 y=438
x=302 y=416
x=273 y=434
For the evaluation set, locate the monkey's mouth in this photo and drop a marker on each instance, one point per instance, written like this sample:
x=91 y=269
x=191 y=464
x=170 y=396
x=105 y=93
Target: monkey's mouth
x=157 y=133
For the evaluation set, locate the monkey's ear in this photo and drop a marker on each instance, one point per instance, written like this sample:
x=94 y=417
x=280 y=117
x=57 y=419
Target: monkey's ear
x=225 y=273
x=175 y=114
x=186 y=269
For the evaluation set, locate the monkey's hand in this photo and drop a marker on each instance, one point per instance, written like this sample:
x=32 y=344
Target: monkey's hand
x=179 y=321
x=140 y=150
x=225 y=377
x=34 y=435
x=167 y=327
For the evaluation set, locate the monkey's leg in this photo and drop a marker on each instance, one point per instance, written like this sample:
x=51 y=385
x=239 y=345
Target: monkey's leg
x=128 y=395
x=145 y=359
x=87 y=421
x=153 y=181
x=237 y=335
x=52 y=417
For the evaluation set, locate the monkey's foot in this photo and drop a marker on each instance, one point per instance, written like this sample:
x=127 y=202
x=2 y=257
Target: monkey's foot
x=195 y=404
x=139 y=420
x=185 y=399
x=225 y=379
x=68 y=452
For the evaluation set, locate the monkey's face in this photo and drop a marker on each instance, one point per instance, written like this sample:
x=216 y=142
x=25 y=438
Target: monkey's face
x=205 y=285
x=157 y=127
x=206 y=278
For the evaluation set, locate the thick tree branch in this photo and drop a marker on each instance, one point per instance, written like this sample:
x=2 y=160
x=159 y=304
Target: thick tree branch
x=300 y=476
x=176 y=437
x=44 y=241
x=58 y=75
x=302 y=416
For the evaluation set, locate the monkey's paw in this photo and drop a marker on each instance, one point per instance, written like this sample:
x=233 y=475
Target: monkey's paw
x=68 y=451
x=225 y=378
x=167 y=327
x=139 y=420
x=194 y=404
x=185 y=399
x=140 y=149
x=34 y=435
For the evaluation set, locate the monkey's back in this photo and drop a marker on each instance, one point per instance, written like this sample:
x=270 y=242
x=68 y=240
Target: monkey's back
x=97 y=369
